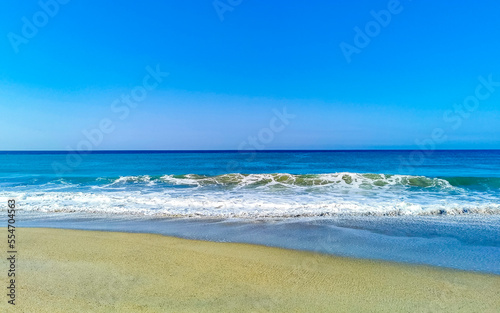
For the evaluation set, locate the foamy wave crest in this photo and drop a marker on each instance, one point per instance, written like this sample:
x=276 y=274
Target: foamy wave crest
x=366 y=181
x=241 y=205
x=275 y=195
x=271 y=181
x=127 y=179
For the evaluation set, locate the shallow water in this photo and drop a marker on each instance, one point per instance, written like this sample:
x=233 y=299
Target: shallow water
x=462 y=242
x=443 y=211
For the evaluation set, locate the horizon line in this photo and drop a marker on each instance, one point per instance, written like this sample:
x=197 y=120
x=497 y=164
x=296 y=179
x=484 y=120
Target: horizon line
x=229 y=150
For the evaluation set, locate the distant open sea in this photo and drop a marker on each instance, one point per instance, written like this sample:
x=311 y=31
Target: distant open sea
x=435 y=207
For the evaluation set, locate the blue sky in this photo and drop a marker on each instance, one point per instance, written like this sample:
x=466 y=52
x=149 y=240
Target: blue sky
x=227 y=78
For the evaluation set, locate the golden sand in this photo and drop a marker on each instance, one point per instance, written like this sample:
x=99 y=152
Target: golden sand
x=87 y=271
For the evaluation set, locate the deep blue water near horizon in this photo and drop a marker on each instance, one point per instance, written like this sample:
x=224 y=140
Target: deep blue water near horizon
x=437 y=207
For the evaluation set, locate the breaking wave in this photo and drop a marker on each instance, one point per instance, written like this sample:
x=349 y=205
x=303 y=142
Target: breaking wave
x=273 y=180
x=305 y=180
x=262 y=195
x=244 y=205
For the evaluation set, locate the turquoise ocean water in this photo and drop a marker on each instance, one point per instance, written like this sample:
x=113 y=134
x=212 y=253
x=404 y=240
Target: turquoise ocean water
x=435 y=207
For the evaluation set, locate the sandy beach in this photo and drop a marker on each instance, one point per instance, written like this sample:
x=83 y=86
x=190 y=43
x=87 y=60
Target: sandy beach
x=86 y=271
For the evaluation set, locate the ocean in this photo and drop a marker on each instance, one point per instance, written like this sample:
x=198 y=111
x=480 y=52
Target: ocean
x=427 y=207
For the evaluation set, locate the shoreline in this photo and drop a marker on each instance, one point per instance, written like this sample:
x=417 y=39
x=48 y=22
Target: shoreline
x=98 y=271
x=460 y=242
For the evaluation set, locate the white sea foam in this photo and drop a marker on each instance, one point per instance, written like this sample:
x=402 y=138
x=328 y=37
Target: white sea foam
x=346 y=179
x=224 y=204
x=257 y=195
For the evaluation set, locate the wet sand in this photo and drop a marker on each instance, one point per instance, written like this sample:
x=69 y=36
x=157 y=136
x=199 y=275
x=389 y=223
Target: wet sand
x=86 y=271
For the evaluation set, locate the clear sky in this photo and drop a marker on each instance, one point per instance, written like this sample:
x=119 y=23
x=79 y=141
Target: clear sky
x=351 y=78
